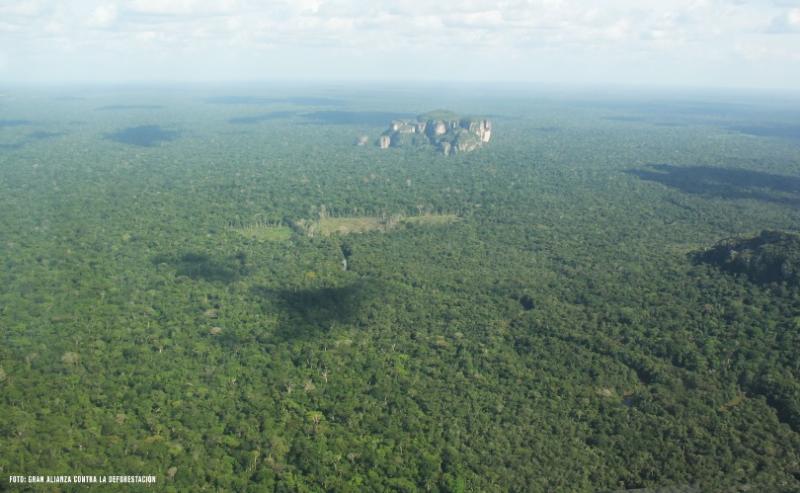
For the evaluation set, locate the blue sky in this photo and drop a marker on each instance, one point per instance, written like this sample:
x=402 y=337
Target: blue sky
x=725 y=43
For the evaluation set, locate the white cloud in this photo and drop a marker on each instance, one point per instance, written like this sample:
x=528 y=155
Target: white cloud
x=28 y=8
x=103 y=16
x=182 y=7
x=342 y=38
x=786 y=22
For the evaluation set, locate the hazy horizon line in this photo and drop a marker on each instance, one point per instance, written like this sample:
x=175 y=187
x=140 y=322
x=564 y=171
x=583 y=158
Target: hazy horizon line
x=394 y=82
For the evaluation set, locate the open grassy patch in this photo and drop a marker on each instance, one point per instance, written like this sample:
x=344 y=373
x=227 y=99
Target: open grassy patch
x=431 y=219
x=341 y=225
x=361 y=224
x=347 y=225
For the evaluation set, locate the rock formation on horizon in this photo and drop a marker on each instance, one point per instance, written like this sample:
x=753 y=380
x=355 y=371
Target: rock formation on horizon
x=446 y=131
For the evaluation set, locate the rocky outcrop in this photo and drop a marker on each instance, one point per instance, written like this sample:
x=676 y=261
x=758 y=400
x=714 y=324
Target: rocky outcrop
x=772 y=256
x=444 y=130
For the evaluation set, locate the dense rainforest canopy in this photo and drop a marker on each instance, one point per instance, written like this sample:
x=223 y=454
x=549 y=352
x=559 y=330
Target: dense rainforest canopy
x=221 y=290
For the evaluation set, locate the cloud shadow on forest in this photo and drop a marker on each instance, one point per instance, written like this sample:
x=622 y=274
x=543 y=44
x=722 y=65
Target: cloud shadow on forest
x=310 y=311
x=143 y=135
x=727 y=183
x=201 y=266
x=782 y=131
x=253 y=100
x=14 y=123
x=42 y=135
x=127 y=107
x=253 y=119
x=375 y=118
x=29 y=138
x=659 y=122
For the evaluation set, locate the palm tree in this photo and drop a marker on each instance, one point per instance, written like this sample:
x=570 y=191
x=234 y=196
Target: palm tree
x=315 y=417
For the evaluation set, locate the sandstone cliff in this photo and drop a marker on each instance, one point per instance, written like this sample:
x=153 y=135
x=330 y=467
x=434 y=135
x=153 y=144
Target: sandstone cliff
x=446 y=131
